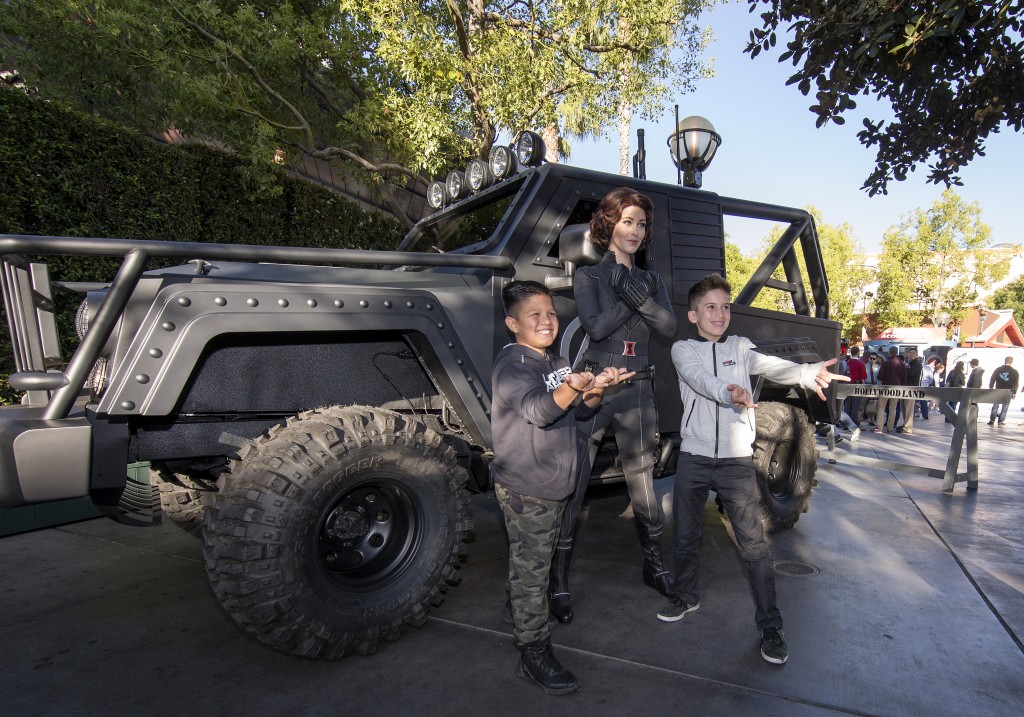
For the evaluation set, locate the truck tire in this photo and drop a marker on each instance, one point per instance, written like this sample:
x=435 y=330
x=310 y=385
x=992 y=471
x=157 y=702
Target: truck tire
x=183 y=496
x=336 y=530
x=785 y=461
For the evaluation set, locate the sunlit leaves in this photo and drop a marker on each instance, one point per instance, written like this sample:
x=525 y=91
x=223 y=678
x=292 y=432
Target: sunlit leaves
x=951 y=71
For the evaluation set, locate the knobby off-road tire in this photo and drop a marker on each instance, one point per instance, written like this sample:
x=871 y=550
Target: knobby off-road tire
x=336 y=530
x=785 y=460
x=184 y=496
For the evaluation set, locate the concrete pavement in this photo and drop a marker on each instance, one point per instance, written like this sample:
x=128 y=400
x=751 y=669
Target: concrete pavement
x=898 y=600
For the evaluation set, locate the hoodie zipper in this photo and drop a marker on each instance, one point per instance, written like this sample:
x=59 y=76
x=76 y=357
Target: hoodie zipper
x=714 y=367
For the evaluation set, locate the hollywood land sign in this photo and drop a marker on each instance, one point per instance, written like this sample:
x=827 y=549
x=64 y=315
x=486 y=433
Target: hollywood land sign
x=916 y=393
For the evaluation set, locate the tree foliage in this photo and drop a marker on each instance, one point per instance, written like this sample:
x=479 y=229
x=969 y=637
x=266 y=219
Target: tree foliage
x=934 y=261
x=1010 y=296
x=390 y=91
x=952 y=71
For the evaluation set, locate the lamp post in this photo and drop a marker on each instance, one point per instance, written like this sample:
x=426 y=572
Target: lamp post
x=868 y=295
x=693 y=145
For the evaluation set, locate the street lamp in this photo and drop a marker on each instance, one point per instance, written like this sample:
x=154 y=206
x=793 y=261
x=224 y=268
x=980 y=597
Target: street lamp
x=697 y=139
x=868 y=295
x=941 y=319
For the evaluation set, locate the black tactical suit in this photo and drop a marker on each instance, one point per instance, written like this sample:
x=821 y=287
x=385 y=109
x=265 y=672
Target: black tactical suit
x=619 y=337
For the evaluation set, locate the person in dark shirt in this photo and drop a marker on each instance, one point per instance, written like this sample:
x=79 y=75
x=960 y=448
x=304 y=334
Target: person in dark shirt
x=535 y=466
x=1003 y=377
x=892 y=373
x=977 y=375
x=915 y=367
x=620 y=306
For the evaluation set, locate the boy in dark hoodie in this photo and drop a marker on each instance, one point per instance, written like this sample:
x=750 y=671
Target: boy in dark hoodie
x=716 y=452
x=535 y=466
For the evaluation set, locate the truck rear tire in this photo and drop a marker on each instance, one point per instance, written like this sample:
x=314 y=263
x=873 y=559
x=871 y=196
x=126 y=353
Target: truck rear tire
x=336 y=530
x=785 y=461
x=183 y=496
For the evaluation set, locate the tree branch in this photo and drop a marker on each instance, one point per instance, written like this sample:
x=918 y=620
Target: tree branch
x=213 y=39
x=329 y=153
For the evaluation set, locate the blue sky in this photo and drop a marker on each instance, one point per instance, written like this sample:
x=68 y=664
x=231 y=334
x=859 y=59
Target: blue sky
x=760 y=119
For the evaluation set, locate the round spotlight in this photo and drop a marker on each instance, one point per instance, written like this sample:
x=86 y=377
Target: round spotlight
x=455 y=184
x=530 y=149
x=435 y=195
x=478 y=175
x=502 y=161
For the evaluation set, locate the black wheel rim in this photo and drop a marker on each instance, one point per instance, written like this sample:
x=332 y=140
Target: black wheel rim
x=783 y=470
x=370 y=533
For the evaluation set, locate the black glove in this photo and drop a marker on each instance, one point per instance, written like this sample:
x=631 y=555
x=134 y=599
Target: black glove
x=645 y=281
x=627 y=286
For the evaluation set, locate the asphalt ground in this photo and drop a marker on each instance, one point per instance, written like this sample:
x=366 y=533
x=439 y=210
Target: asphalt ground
x=898 y=599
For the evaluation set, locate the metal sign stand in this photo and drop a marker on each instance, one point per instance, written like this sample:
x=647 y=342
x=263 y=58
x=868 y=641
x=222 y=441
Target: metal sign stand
x=965 y=428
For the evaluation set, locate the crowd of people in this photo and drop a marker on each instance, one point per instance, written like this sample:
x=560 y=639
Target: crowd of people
x=897 y=415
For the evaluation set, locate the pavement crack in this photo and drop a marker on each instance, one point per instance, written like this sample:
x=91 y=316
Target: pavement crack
x=668 y=671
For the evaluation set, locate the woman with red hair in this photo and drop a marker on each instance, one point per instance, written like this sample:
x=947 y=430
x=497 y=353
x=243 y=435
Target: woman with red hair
x=619 y=305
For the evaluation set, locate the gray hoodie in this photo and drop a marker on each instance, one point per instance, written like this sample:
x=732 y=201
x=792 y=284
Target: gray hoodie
x=711 y=425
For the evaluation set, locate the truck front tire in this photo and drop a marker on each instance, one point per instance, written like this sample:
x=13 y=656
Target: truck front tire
x=336 y=530
x=785 y=461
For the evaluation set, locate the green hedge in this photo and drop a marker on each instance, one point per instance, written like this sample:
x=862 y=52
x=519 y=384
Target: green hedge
x=65 y=173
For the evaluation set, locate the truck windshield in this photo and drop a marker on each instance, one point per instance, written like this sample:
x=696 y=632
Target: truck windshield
x=474 y=223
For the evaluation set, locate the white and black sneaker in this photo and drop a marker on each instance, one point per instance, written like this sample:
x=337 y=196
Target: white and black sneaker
x=773 y=646
x=675 y=609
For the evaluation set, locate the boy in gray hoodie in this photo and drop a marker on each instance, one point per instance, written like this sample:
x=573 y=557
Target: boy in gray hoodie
x=717 y=448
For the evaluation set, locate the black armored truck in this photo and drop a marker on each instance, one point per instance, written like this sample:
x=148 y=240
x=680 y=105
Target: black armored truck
x=317 y=417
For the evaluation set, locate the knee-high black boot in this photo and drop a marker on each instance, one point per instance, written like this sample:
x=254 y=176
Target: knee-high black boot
x=561 y=607
x=655 y=574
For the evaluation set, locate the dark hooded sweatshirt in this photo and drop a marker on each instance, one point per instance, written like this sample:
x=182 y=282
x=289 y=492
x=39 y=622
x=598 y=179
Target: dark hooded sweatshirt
x=535 y=442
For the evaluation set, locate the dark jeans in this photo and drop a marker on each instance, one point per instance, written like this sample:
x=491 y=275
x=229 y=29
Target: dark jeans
x=735 y=482
x=998 y=411
x=852 y=406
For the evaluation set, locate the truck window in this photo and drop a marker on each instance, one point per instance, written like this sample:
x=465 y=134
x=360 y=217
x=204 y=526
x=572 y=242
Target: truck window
x=459 y=230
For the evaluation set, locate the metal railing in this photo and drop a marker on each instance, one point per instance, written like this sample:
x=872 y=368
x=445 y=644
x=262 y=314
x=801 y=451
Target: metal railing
x=965 y=428
x=30 y=322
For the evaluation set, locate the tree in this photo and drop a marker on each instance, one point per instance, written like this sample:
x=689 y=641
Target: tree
x=390 y=91
x=950 y=69
x=1010 y=296
x=934 y=261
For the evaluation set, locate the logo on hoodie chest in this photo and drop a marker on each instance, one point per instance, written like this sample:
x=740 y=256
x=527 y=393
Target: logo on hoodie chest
x=728 y=362
x=555 y=379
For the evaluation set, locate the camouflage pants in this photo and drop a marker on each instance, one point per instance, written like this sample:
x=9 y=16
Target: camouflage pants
x=532 y=525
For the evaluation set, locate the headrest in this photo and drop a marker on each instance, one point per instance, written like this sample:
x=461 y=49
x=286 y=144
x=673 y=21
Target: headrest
x=574 y=245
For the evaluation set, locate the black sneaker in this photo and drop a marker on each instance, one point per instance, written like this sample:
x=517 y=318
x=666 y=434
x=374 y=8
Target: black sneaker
x=773 y=646
x=991 y=423
x=675 y=609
